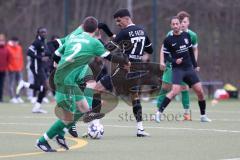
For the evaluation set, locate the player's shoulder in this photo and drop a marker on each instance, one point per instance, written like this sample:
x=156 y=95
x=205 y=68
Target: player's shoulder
x=168 y=39
x=37 y=43
x=192 y=33
x=186 y=34
x=170 y=33
x=94 y=41
x=134 y=27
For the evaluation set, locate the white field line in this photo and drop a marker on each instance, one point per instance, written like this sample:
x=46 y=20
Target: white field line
x=147 y=127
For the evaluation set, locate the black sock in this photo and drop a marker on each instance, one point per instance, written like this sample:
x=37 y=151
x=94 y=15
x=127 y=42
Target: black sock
x=96 y=103
x=35 y=87
x=137 y=110
x=164 y=104
x=202 y=106
x=41 y=95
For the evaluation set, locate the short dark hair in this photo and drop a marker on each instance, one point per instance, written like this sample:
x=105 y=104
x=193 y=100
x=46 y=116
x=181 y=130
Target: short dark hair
x=174 y=17
x=182 y=14
x=90 y=24
x=41 y=29
x=122 y=13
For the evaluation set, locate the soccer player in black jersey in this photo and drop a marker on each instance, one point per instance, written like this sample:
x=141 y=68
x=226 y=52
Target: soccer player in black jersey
x=38 y=54
x=140 y=45
x=178 y=50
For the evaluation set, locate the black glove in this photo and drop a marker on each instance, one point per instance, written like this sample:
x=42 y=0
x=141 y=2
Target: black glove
x=105 y=28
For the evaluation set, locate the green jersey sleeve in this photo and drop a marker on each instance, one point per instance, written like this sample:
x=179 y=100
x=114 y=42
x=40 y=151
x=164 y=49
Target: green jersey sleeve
x=100 y=49
x=60 y=50
x=194 y=38
x=61 y=41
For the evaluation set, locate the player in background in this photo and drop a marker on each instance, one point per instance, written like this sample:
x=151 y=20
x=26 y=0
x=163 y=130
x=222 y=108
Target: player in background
x=177 y=49
x=38 y=56
x=184 y=18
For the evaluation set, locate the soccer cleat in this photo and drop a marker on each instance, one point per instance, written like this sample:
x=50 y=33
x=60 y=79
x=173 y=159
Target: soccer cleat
x=89 y=116
x=204 y=118
x=37 y=108
x=19 y=87
x=142 y=133
x=61 y=142
x=186 y=117
x=13 y=100
x=73 y=131
x=44 y=146
x=20 y=100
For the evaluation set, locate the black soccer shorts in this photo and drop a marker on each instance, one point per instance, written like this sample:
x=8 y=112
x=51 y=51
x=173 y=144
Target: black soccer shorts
x=187 y=75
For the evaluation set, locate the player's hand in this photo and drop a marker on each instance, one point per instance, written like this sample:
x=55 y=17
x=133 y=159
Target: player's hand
x=197 y=69
x=162 y=66
x=146 y=58
x=55 y=64
x=179 y=60
x=127 y=66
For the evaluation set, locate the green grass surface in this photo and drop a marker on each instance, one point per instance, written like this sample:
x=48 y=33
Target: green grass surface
x=170 y=139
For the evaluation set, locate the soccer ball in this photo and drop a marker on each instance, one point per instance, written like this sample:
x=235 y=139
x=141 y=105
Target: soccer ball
x=95 y=131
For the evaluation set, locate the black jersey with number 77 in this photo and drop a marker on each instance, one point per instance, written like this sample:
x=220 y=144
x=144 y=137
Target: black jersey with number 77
x=134 y=42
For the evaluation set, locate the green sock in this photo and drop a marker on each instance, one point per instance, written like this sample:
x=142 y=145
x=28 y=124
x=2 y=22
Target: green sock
x=185 y=99
x=62 y=133
x=77 y=116
x=55 y=129
x=161 y=96
x=88 y=93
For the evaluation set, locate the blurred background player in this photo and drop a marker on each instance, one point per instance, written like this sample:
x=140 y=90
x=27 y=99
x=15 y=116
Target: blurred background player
x=184 y=18
x=177 y=49
x=15 y=68
x=38 y=56
x=4 y=54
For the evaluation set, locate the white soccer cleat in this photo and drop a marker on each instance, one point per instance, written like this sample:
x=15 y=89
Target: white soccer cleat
x=20 y=100
x=21 y=85
x=142 y=133
x=13 y=100
x=204 y=118
x=37 y=109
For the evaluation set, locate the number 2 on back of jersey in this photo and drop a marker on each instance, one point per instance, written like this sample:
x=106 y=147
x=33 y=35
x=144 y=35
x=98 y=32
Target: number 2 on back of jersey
x=76 y=48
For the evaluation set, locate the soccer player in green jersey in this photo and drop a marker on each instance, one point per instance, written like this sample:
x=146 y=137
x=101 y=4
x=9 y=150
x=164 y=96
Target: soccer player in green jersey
x=72 y=68
x=59 y=42
x=184 y=18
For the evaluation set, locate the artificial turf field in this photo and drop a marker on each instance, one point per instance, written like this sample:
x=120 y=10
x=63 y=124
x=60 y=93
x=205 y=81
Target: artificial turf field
x=171 y=139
